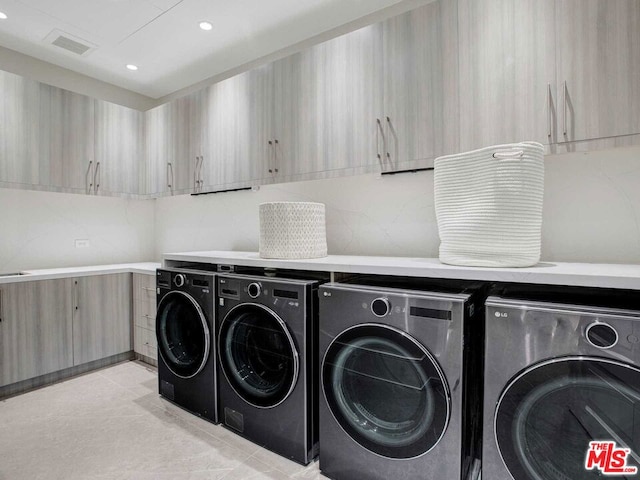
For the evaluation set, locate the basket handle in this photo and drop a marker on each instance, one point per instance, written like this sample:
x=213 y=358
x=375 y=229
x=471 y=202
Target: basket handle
x=504 y=155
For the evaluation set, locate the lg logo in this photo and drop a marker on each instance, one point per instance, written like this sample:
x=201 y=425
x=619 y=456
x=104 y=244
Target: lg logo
x=502 y=315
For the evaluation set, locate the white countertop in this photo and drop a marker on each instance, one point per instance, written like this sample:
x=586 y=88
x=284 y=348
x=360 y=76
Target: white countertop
x=148 y=268
x=578 y=274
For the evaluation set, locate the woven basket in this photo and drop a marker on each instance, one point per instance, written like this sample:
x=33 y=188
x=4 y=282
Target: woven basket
x=489 y=205
x=292 y=230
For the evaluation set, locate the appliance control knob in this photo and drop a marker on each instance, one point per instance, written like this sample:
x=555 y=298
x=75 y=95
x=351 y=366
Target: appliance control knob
x=380 y=307
x=254 y=290
x=179 y=280
x=601 y=335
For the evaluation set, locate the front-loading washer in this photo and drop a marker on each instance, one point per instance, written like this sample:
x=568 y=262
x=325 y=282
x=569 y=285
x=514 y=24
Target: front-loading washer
x=397 y=381
x=186 y=347
x=267 y=345
x=560 y=374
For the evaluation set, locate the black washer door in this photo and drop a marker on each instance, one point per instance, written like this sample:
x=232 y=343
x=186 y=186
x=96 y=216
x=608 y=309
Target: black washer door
x=183 y=335
x=386 y=391
x=258 y=355
x=547 y=416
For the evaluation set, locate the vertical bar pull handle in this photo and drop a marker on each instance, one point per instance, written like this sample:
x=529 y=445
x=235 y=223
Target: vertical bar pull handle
x=564 y=100
x=275 y=155
x=89 y=177
x=195 y=174
x=1 y=306
x=170 y=175
x=378 y=129
x=269 y=156
x=96 y=178
x=549 y=113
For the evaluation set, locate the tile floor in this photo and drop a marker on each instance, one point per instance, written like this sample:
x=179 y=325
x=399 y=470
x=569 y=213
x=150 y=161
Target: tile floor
x=112 y=425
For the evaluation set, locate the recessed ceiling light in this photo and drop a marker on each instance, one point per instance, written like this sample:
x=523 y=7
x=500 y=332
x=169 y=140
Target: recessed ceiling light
x=206 y=26
x=3 y=16
x=132 y=67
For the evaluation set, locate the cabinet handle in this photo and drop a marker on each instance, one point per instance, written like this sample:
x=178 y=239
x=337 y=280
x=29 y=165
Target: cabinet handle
x=170 y=175
x=195 y=174
x=564 y=106
x=96 y=178
x=89 y=177
x=379 y=132
x=200 y=172
x=1 y=306
x=275 y=156
x=269 y=156
x=549 y=116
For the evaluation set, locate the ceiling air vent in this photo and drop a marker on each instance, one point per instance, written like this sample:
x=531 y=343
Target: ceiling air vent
x=69 y=42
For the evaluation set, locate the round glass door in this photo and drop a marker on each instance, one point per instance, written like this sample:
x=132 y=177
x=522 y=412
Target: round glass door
x=258 y=355
x=386 y=391
x=183 y=335
x=548 y=414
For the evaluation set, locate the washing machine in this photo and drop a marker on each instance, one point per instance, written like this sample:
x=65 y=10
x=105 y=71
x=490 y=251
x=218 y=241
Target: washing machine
x=186 y=346
x=398 y=389
x=267 y=344
x=561 y=373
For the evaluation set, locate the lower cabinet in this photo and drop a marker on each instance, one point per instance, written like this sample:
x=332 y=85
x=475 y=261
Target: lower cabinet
x=101 y=316
x=144 y=316
x=35 y=329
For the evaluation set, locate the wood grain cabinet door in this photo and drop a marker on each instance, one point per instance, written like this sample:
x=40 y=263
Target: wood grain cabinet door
x=239 y=113
x=598 y=68
x=35 y=329
x=507 y=72
x=67 y=138
x=119 y=133
x=101 y=316
x=327 y=99
x=420 y=86
x=19 y=129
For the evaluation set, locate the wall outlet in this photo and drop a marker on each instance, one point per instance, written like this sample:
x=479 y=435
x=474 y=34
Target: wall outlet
x=83 y=243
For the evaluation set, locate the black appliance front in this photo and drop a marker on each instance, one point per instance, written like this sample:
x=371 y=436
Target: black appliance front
x=548 y=415
x=184 y=329
x=386 y=391
x=258 y=355
x=267 y=353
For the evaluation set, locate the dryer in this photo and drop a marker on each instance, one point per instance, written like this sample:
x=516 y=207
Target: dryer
x=558 y=376
x=394 y=381
x=267 y=344
x=186 y=347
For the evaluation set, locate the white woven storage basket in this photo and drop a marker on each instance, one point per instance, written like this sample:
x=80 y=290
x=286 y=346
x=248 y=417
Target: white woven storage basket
x=292 y=230
x=489 y=205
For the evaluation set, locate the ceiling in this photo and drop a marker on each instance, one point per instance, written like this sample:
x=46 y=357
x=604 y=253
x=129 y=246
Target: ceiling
x=162 y=37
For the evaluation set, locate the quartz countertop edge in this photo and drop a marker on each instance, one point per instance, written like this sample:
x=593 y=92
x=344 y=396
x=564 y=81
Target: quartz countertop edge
x=619 y=276
x=146 y=268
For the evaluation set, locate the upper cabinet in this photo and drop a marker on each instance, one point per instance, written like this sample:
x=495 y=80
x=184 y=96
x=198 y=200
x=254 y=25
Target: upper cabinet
x=234 y=131
x=420 y=114
x=449 y=76
x=119 y=150
x=67 y=129
x=598 y=68
x=327 y=99
x=169 y=151
x=507 y=72
x=19 y=129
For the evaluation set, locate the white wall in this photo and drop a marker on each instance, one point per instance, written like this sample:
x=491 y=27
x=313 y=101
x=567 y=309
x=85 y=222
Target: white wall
x=592 y=212
x=39 y=229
